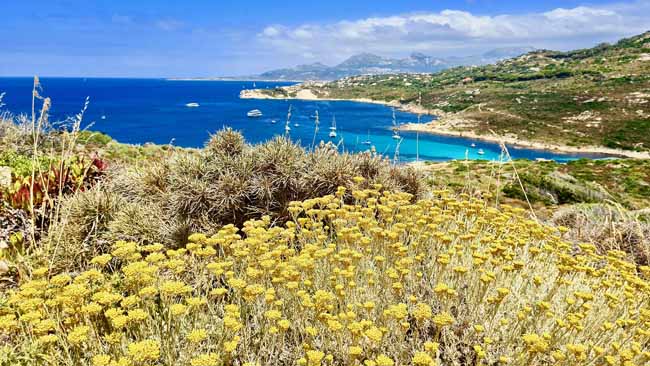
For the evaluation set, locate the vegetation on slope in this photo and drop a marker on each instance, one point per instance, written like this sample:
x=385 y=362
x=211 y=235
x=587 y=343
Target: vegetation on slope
x=603 y=202
x=546 y=183
x=598 y=96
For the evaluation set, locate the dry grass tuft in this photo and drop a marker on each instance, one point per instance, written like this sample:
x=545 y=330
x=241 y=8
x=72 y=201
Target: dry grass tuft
x=609 y=227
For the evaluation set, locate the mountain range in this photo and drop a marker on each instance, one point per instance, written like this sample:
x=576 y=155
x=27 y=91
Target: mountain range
x=370 y=64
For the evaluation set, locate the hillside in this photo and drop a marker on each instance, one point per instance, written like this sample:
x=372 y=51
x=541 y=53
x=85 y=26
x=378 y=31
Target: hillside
x=591 y=97
x=370 y=64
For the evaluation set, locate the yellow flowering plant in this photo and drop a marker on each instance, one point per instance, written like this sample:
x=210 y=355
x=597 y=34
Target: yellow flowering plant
x=379 y=281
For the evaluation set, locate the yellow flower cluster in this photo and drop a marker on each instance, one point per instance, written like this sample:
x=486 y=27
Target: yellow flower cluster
x=376 y=281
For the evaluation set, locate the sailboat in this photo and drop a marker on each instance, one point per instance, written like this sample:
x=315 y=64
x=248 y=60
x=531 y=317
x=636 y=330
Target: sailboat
x=333 y=128
x=367 y=142
x=287 y=128
x=417 y=133
x=396 y=135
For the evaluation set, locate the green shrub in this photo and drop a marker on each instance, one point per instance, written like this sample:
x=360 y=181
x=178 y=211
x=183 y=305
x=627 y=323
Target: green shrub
x=93 y=138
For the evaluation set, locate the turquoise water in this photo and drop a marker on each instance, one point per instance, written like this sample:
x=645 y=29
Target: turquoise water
x=154 y=110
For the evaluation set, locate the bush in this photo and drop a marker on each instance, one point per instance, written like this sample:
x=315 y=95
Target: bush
x=81 y=231
x=93 y=138
x=609 y=228
x=232 y=182
x=379 y=281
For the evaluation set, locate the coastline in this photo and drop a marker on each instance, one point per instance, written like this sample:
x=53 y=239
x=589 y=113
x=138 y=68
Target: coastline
x=519 y=143
x=306 y=94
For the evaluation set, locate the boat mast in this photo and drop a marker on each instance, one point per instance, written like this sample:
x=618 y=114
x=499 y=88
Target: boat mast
x=417 y=132
x=313 y=142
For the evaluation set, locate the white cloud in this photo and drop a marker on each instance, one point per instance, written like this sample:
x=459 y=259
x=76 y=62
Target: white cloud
x=270 y=31
x=453 y=31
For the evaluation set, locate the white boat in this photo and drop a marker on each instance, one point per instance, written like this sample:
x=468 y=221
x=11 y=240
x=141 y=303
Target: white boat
x=367 y=142
x=481 y=152
x=103 y=117
x=254 y=113
x=274 y=121
x=296 y=125
x=473 y=145
x=333 y=128
x=192 y=105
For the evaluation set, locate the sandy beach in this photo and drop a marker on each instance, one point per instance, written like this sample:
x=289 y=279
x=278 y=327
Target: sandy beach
x=432 y=128
x=441 y=126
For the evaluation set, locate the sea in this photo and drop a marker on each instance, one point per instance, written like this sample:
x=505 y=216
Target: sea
x=140 y=111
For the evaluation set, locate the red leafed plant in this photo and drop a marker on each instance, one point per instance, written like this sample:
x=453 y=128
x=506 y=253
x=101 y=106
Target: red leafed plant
x=60 y=179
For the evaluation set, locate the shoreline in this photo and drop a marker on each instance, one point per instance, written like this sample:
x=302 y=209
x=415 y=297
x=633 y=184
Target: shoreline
x=519 y=143
x=306 y=94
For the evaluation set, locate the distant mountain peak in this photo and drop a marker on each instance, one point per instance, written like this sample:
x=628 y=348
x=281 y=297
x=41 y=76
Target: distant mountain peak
x=419 y=55
x=362 y=59
x=369 y=63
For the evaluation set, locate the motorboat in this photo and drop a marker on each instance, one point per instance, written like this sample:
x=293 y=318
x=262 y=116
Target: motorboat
x=254 y=113
x=192 y=105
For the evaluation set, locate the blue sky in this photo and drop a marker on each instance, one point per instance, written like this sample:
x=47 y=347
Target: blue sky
x=163 y=38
